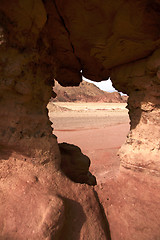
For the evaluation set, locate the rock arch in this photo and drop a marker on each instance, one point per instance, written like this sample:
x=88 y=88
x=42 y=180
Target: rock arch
x=43 y=40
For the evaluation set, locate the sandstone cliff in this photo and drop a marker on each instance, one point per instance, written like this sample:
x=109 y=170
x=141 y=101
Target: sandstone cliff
x=86 y=92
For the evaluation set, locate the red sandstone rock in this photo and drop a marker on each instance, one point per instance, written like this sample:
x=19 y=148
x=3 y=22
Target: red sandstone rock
x=75 y=164
x=133 y=208
x=106 y=35
x=43 y=40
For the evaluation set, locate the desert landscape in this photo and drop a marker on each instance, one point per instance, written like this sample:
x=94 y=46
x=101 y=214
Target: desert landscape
x=99 y=129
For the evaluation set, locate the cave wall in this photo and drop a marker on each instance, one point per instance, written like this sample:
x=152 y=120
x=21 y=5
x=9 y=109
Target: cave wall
x=141 y=78
x=43 y=40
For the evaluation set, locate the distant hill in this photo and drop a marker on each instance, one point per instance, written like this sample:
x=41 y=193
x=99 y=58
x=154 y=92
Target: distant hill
x=86 y=92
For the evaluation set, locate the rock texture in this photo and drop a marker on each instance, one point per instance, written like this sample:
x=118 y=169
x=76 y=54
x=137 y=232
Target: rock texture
x=141 y=150
x=75 y=164
x=103 y=36
x=41 y=41
x=86 y=92
x=131 y=203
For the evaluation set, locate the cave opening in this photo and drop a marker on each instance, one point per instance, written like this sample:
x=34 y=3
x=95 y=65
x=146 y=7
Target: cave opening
x=96 y=125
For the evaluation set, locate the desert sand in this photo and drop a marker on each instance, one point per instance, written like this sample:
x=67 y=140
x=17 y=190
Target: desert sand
x=99 y=129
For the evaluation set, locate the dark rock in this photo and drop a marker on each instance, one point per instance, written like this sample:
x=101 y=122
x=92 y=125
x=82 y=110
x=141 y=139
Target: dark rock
x=75 y=164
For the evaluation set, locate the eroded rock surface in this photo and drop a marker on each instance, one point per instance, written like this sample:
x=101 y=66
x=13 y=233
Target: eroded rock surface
x=75 y=164
x=131 y=203
x=141 y=150
x=103 y=36
x=43 y=40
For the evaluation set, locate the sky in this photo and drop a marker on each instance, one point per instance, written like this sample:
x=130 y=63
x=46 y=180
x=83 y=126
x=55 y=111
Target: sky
x=103 y=85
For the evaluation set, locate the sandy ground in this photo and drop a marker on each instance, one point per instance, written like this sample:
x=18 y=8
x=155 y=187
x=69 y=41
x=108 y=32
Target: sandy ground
x=99 y=129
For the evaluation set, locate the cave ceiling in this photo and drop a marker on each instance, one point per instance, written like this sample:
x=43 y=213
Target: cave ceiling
x=82 y=37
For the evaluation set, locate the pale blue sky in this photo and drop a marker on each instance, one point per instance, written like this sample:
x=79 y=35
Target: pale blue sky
x=103 y=85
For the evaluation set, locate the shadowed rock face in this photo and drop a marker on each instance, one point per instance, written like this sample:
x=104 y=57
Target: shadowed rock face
x=43 y=40
x=75 y=164
x=96 y=37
